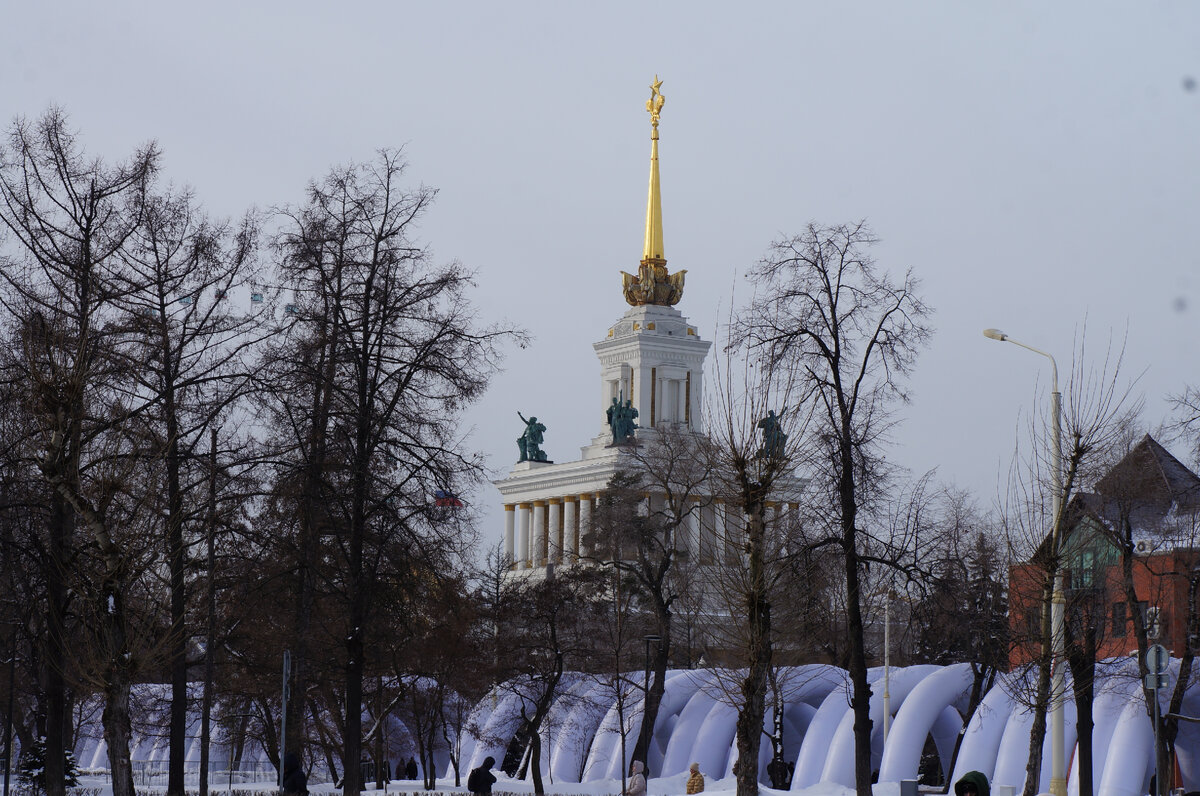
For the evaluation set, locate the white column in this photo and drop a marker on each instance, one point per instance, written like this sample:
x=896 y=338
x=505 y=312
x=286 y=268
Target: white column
x=709 y=519
x=774 y=528
x=510 y=516
x=691 y=527
x=570 y=530
x=556 y=530
x=538 y=559
x=585 y=524
x=523 y=536
x=731 y=525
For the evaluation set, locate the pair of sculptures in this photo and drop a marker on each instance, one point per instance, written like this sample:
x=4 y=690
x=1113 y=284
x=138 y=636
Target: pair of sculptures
x=622 y=419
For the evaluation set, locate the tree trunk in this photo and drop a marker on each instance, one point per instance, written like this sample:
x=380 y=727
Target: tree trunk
x=1083 y=686
x=1162 y=758
x=179 y=636
x=61 y=522
x=117 y=734
x=535 y=760
x=355 y=585
x=1170 y=725
x=654 y=696
x=754 y=687
x=1041 y=694
x=860 y=699
x=118 y=680
x=211 y=623
x=352 y=736
x=310 y=540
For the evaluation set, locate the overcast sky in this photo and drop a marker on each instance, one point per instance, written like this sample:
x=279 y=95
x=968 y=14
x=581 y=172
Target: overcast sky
x=1036 y=164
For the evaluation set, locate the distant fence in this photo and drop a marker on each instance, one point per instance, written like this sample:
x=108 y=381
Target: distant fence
x=152 y=773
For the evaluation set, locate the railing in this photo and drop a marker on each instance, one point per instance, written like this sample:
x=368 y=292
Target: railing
x=152 y=773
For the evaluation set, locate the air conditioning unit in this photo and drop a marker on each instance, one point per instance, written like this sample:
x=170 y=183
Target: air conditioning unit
x=1153 y=625
x=1142 y=547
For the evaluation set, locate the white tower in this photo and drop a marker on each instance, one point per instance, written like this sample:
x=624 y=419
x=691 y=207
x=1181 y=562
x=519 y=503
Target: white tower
x=653 y=359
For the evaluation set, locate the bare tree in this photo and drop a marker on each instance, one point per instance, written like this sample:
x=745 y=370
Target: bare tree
x=1098 y=410
x=659 y=491
x=71 y=216
x=187 y=349
x=552 y=627
x=1150 y=498
x=848 y=334
x=968 y=582
x=390 y=351
x=752 y=476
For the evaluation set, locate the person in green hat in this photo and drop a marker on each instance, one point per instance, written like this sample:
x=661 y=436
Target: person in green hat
x=973 y=783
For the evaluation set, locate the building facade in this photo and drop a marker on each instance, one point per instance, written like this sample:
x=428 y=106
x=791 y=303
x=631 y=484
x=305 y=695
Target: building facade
x=1148 y=509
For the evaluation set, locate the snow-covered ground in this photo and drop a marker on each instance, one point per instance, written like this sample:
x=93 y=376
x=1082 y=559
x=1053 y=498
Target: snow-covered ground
x=663 y=786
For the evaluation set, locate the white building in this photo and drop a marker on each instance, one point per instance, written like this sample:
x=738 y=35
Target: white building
x=652 y=357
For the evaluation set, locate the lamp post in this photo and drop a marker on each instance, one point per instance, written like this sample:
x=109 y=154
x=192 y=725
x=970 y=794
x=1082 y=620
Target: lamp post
x=1058 y=781
x=887 y=664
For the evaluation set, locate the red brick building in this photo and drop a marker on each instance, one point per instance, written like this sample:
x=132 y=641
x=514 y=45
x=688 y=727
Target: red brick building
x=1146 y=508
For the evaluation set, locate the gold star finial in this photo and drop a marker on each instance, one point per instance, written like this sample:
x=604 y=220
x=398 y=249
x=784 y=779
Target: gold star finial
x=655 y=103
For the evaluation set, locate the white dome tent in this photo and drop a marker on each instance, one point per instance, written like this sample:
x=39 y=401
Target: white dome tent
x=696 y=724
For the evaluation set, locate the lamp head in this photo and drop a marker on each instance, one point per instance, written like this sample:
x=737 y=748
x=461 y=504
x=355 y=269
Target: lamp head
x=995 y=334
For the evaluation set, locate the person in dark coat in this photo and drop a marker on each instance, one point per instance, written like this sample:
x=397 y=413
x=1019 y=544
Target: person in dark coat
x=295 y=782
x=973 y=783
x=480 y=779
x=410 y=769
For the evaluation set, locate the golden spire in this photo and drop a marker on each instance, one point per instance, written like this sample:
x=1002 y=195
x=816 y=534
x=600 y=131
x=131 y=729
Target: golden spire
x=653 y=285
x=653 y=249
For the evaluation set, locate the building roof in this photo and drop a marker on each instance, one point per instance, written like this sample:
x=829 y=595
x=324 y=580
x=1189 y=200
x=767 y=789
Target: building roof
x=1150 y=476
x=1148 y=488
x=1152 y=491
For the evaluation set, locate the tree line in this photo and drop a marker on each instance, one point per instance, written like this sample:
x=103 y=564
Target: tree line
x=224 y=439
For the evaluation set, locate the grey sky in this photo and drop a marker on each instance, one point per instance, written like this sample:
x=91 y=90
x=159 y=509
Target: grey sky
x=1034 y=163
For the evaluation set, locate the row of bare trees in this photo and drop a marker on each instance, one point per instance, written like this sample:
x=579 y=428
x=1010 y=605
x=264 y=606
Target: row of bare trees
x=202 y=416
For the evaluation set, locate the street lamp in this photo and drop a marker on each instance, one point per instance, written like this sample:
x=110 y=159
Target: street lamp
x=1058 y=781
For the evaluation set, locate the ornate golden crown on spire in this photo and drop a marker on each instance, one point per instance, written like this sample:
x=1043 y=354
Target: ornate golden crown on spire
x=653 y=285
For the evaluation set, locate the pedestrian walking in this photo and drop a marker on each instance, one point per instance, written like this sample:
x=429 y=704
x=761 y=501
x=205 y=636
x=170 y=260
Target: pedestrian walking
x=695 y=783
x=480 y=779
x=295 y=782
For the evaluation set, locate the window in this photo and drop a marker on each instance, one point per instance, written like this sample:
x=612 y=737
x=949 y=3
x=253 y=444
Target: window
x=1120 y=618
x=1087 y=563
x=1033 y=623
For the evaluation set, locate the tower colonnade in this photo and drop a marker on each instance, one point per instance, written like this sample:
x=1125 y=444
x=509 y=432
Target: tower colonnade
x=557 y=531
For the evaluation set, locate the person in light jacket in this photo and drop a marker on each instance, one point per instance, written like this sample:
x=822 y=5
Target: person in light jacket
x=637 y=780
x=695 y=783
